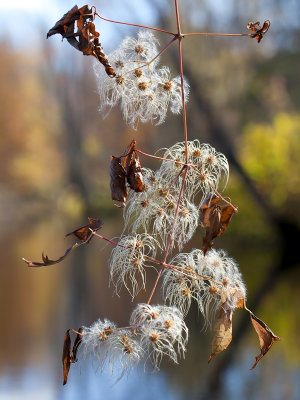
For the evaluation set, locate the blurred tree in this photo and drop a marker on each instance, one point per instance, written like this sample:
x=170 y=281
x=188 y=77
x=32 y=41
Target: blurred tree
x=29 y=126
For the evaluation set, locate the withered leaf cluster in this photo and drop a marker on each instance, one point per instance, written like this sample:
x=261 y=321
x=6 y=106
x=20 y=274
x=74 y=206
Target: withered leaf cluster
x=258 y=30
x=83 y=233
x=85 y=38
x=223 y=332
x=265 y=335
x=126 y=169
x=69 y=357
x=215 y=219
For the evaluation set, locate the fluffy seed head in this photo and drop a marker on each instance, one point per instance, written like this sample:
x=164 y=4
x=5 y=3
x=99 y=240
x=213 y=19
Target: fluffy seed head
x=144 y=101
x=127 y=262
x=162 y=331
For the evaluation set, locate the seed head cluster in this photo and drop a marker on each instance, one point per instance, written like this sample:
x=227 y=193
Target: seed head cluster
x=127 y=262
x=154 y=332
x=144 y=91
x=210 y=167
x=211 y=280
x=154 y=209
x=115 y=347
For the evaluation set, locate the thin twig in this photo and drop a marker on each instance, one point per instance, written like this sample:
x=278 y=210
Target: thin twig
x=175 y=268
x=165 y=159
x=214 y=34
x=170 y=236
x=177 y=18
x=136 y=25
x=215 y=190
x=147 y=63
x=183 y=101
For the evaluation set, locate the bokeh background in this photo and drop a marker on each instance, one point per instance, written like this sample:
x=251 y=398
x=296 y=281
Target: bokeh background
x=54 y=172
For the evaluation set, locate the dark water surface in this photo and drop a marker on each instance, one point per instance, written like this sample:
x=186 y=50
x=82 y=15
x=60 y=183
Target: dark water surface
x=38 y=305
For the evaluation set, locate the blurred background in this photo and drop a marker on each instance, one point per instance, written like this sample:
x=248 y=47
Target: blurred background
x=54 y=172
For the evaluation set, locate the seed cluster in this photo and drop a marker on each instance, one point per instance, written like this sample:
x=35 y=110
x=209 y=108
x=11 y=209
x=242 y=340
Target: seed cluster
x=144 y=91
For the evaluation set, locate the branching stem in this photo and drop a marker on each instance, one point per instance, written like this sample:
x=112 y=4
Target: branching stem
x=147 y=63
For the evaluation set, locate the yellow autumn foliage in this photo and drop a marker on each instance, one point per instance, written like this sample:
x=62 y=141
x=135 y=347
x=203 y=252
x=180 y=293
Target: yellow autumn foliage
x=270 y=154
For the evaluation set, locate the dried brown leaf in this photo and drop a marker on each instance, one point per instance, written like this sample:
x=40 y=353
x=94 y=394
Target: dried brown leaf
x=215 y=219
x=66 y=356
x=76 y=345
x=226 y=215
x=133 y=169
x=265 y=335
x=118 y=181
x=134 y=175
x=128 y=154
x=222 y=330
x=212 y=227
x=210 y=200
x=85 y=38
x=65 y=26
x=47 y=261
x=259 y=31
x=84 y=233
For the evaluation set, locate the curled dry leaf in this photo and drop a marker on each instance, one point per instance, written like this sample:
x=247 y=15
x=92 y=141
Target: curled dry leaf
x=135 y=176
x=126 y=168
x=128 y=155
x=133 y=169
x=76 y=344
x=222 y=331
x=66 y=25
x=84 y=234
x=265 y=335
x=215 y=218
x=47 y=262
x=259 y=31
x=86 y=38
x=118 y=181
x=66 y=356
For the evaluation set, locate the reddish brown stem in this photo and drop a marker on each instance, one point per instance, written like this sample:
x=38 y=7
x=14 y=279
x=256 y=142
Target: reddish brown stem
x=170 y=236
x=214 y=34
x=186 y=150
x=164 y=159
x=215 y=190
x=136 y=25
x=176 y=214
x=183 y=101
x=177 y=18
x=223 y=198
x=164 y=49
x=108 y=240
x=175 y=268
x=147 y=63
x=178 y=269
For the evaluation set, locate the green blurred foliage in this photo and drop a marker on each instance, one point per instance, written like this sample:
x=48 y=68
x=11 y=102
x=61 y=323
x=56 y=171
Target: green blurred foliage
x=270 y=154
